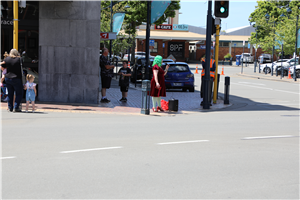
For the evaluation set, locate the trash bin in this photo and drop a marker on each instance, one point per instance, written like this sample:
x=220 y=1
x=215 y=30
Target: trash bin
x=238 y=60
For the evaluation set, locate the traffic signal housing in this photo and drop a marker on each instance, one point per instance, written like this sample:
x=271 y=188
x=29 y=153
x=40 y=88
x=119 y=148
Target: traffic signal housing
x=213 y=26
x=221 y=9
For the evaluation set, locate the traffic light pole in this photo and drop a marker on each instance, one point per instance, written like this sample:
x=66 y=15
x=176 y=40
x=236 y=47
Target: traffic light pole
x=206 y=103
x=216 y=60
x=16 y=24
x=148 y=38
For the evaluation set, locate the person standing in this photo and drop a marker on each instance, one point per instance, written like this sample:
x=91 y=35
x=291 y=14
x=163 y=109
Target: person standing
x=13 y=79
x=212 y=76
x=30 y=88
x=124 y=73
x=106 y=74
x=158 y=88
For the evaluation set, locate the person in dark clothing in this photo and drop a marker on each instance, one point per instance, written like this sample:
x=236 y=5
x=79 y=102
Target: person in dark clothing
x=13 y=79
x=106 y=74
x=212 y=75
x=124 y=73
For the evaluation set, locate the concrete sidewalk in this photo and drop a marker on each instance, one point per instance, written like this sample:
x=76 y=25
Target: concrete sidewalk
x=189 y=102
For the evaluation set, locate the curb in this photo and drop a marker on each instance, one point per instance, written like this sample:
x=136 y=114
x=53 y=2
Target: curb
x=269 y=78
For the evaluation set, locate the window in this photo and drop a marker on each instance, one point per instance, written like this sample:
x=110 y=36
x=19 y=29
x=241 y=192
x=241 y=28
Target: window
x=178 y=68
x=224 y=44
x=154 y=50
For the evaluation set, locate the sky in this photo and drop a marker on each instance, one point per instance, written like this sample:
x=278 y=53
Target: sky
x=194 y=12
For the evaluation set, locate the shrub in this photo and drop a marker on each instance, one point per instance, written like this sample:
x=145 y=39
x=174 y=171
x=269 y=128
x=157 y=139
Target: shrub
x=227 y=56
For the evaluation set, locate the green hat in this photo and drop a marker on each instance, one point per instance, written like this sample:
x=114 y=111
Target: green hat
x=157 y=61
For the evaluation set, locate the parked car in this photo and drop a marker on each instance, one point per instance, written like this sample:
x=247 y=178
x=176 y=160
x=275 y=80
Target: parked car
x=265 y=58
x=137 y=54
x=179 y=76
x=138 y=69
x=287 y=66
x=247 y=57
x=297 y=70
x=167 y=60
x=285 y=63
x=268 y=67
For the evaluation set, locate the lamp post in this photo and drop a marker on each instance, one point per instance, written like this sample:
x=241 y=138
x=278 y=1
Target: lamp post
x=296 y=43
x=267 y=16
x=111 y=22
x=255 y=60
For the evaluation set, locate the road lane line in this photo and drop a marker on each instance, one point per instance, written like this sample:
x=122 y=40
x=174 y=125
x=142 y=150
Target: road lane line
x=252 y=83
x=11 y=157
x=268 y=137
x=182 y=142
x=266 y=88
x=95 y=149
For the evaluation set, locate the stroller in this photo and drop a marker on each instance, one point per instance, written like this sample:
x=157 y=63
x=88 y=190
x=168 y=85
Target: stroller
x=3 y=93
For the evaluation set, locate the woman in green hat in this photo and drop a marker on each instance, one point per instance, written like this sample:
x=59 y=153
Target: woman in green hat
x=158 y=88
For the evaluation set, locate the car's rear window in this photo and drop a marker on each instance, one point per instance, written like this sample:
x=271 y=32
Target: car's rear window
x=178 y=68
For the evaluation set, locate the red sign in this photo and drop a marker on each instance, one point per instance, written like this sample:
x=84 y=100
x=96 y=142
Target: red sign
x=164 y=27
x=104 y=35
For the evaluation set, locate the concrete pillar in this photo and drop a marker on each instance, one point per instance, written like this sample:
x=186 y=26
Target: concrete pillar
x=69 y=42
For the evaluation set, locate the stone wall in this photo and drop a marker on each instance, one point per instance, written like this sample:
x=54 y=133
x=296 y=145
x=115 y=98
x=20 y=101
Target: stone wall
x=69 y=42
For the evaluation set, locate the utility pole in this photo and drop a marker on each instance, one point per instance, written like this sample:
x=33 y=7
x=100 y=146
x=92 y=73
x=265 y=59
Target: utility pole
x=148 y=38
x=16 y=25
x=217 y=22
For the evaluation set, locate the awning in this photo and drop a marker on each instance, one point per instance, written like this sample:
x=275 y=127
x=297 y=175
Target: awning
x=170 y=35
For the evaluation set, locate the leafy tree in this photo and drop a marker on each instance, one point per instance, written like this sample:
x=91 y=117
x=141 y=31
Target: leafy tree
x=135 y=16
x=277 y=27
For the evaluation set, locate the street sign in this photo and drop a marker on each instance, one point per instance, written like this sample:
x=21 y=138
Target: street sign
x=244 y=43
x=163 y=45
x=151 y=43
x=234 y=44
x=108 y=36
x=248 y=45
x=171 y=57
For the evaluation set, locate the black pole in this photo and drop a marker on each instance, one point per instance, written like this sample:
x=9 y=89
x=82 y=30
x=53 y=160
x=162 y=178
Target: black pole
x=294 y=75
x=110 y=41
x=255 y=62
x=206 y=103
x=148 y=38
x=272 y=53
x=281 y=62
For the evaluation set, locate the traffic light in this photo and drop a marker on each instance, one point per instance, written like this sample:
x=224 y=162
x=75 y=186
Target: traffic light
x=221 y=9
x=213 y=26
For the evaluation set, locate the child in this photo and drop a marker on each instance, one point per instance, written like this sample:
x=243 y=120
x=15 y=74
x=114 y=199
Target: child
x=124 y=73
x=31 y=91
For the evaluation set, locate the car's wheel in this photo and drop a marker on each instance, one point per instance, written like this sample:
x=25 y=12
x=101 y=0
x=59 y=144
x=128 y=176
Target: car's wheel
x=285 y=73
x=184 y=89
x=192 y=89
x=268 y=70
x=298 y=73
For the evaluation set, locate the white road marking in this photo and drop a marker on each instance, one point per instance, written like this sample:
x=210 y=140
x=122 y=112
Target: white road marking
x=182 y=142
x=95 y=149
x=268 y=137
x=266 y=88
x=252 y=83
x=11 y=157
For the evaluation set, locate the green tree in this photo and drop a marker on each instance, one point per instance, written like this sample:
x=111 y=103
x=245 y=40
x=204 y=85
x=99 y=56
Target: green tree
x=277 y=27
x=135 y=16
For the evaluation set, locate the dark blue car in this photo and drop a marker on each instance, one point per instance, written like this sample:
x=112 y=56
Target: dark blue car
x=179 y=76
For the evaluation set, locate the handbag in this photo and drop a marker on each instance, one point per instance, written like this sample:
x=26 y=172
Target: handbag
x=23 y=77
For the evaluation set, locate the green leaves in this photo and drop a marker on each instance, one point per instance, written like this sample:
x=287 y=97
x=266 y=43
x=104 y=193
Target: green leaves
x=276 y=27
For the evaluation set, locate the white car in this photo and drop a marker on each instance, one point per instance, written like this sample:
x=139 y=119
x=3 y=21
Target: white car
x=281 y=62
x=247 y=57
x=137 y=54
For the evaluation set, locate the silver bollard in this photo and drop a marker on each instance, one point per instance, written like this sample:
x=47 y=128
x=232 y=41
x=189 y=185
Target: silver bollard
x=146 y=85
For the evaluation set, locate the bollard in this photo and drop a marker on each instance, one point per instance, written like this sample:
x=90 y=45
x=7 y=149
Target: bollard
x=218 y=86
x=116 y=68
x=226 y=90
x=210 y=88
x=145 y=97
x=266 y=69
x=259 y=68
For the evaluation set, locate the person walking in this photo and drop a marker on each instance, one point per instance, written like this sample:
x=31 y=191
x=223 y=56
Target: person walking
x=212 y=76
x=30 y=88
x=124 y=73
x=13 y=79
x=158 y=88
x=106 y=74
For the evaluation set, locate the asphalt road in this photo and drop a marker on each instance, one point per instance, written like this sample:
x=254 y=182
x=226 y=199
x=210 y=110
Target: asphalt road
x=247 y=151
